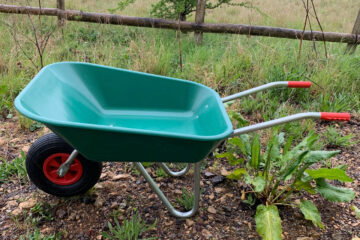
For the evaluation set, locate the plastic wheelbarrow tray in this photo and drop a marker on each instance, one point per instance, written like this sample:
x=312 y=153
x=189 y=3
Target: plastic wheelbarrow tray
x=101 y=113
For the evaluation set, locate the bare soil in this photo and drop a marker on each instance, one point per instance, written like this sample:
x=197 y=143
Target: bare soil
x=222 y=215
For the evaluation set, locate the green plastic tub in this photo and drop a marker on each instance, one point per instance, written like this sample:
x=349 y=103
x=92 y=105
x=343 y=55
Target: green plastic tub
x=111 y=114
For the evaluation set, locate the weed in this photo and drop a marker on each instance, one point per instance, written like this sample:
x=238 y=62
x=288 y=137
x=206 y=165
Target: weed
x=130 y=229
x=186 y=200
x=36 y=235
x=333 y=138
x=161 y=173
x=40 y=213
x=12 y=168
x=277 y=176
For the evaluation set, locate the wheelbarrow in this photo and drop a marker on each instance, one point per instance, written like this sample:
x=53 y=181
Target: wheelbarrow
x=99 y=113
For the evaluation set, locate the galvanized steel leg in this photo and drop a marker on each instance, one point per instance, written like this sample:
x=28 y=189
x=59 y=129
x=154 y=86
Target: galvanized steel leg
x=172 y=173
x=165 y=200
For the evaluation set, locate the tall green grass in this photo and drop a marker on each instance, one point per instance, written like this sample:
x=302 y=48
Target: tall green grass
x=226 y=63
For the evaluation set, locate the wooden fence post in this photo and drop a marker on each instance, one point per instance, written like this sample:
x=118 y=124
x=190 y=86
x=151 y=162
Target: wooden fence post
x=60 y=4
x=199 y=19
x=356 y=30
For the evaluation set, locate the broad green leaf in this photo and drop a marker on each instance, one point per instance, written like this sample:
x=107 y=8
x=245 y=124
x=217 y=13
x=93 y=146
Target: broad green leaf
x=342 y=167
x=311 y=213
x=317 y=156
x=268 y=222
x=242 y=122
x=243 y=143
x=300 y=185
x=230 y=157
x=273 y=147
x=246 y=139
x=356 y=210
x=255 y=152
x=306 y=143
x=287 y=145
x=332 y=193
x=292 y=164
x=331 y=174
x=248 y=179
x=259 y=183
x=237 y=174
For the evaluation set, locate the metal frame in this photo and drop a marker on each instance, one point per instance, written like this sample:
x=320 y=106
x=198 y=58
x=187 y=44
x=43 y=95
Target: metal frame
x=65 y=166
x=165 y=200
x=172 y=173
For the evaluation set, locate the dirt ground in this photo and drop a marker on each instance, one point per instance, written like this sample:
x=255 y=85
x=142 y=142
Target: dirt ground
x=120 y=190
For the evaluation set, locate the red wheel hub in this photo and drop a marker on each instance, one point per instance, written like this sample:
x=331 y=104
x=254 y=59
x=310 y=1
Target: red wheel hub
x=52 y=164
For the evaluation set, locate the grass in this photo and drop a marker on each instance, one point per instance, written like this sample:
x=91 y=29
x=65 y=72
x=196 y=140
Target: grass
x=130 y=229
x=334 y=139
x=15 y=168
x=186 y=200
x=227 y=63
x=36 y=235
x=38 y=214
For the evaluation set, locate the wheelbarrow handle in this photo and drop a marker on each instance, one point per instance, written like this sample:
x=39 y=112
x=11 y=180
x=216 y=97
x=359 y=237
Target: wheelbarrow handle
x=292 y=118
x=291 y=84
x=329 y=116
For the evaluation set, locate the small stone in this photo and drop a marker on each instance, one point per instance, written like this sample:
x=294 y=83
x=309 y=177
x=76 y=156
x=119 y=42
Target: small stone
x=224 y=172
x=304 y=238
x=227 y=208
x=217 y=179
x=103 y=175
x=211 y=209
x=99 y=202
x=219 y=190
x=11 y=204
x=28 y=203
x=211 y=196
x=122 y=205
x=206 y=233
x=98 y=186
x=189 y=222
x=177 y=191
x=25 y=148
x=337 y=236
x=45 y=230
x=114 y=205
x=209 y=174
x=121 y=176
x=16 y=212
x=99 y=237
x=60 y=213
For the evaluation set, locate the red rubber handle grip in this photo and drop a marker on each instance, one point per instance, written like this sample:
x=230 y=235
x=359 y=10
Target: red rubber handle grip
x=299 y=84
x=335 y=116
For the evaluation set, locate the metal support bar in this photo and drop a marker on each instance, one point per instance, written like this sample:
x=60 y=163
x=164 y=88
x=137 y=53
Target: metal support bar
x=254 y=90
x=165 y=200
x=276 y=122
x=64 y=168
x=172 y=173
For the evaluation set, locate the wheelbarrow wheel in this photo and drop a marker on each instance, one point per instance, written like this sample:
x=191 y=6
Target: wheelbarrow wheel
x=45 y=157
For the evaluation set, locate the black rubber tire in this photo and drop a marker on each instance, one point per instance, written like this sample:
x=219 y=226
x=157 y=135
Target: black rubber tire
x=46 y=146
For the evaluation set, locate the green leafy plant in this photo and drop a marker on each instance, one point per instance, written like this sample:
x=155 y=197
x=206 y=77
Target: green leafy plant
x=278 y=175
x=186 y=200
x=161 y=173
x=333 y=138
x=40 y=213
x=356 y=211
x=36 y=235
x=130 y=229
x=12 y=168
